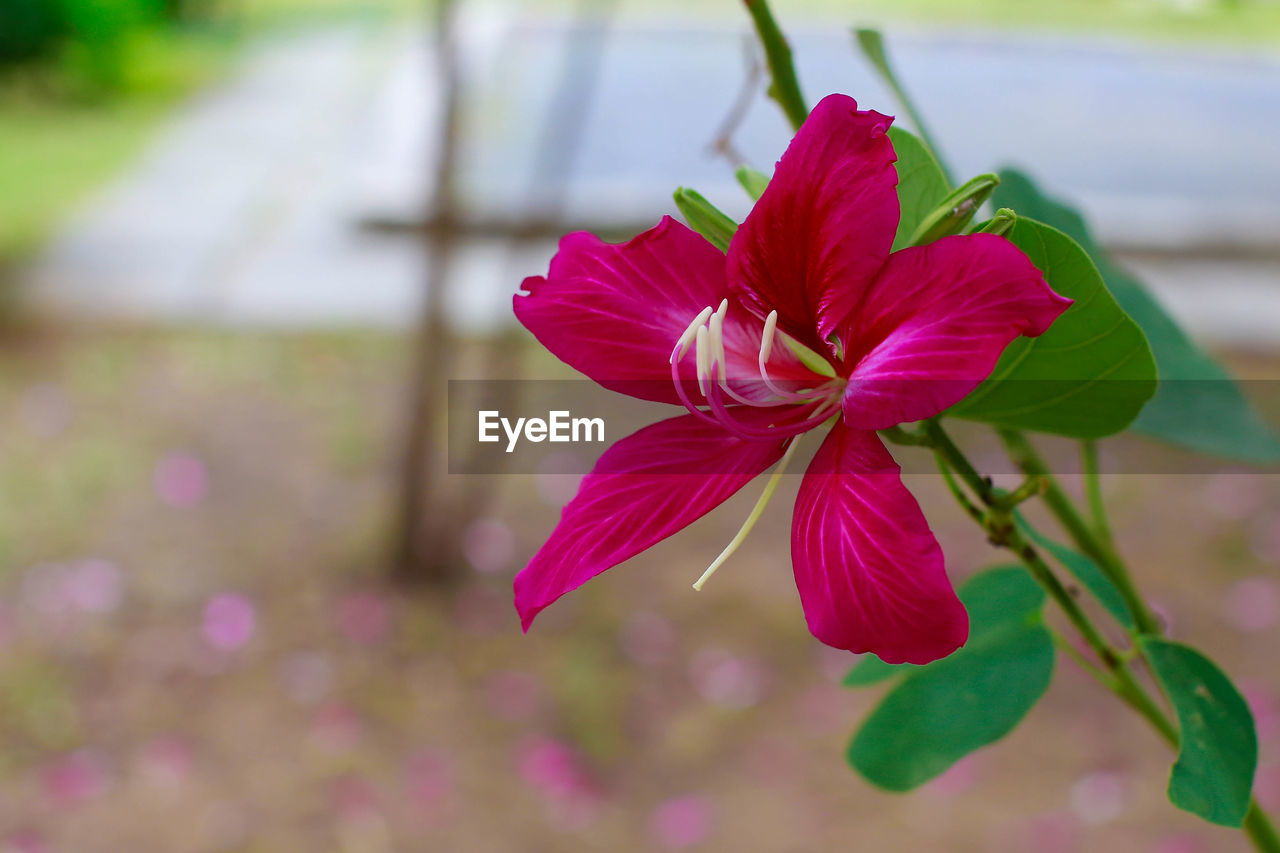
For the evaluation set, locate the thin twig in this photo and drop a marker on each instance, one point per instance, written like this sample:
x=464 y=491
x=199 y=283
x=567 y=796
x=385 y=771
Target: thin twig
x=722 y=142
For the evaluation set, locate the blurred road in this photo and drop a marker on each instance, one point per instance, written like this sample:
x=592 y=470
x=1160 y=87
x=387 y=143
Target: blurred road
x=246 y=210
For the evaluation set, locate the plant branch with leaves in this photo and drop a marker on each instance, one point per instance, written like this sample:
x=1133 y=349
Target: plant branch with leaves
x=925 y=723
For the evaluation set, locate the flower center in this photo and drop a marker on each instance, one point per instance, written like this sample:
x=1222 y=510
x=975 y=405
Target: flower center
x=800 y=408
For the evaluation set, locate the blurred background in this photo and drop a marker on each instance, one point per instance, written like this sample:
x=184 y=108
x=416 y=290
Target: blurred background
x=243 y=244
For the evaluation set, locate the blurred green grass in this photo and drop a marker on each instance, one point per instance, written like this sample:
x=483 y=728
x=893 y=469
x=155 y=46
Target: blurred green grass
x=1253 y=22
x=59 y=138
x=53 y=148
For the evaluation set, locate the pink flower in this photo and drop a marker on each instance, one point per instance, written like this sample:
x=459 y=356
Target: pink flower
x=682 y=822
x=553 y=767
x=229 y=621
x=555 y=770
x=816 y=322
x=181 y=480
x=26 y=842
x=75 y=778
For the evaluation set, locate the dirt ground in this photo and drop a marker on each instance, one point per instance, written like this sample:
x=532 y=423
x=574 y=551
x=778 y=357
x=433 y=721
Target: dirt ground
x=199 y=652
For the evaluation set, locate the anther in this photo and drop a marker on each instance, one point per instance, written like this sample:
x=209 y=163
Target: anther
x=702 y=359
x=682 y=345
x=715 y=331
x=766 y=340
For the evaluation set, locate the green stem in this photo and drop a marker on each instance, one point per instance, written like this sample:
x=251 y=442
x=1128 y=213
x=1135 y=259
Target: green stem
x=945 y=447
x=1001 y=530
x=1031 y=487
x=958 y=493
x=785 y=88
x=1093 y=489
x=1261 y=831
x=1069 y=649
x=1030 y=557
x=898 y=435
x=1116 y=675
x=1059 y=503
x=1122 y=681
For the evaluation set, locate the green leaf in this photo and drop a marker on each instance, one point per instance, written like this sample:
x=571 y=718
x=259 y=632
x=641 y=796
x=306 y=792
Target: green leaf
x=1088 y=375
x=1213 y=776
x=1085 y=570
x=921 y=184
x=755 y=183
x=1197 y=405
x=705 y=218
x=871 y=43
x=998 y=597
x=939 y=713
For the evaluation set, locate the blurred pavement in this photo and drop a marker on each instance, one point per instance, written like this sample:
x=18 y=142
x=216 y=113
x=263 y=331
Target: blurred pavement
x=247 y=210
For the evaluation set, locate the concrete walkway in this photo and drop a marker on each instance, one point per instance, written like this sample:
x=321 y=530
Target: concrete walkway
x=245 y=211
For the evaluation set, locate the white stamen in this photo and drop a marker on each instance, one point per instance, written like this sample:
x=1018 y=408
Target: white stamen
x=716 y=331
x=766 y=340
x=702 y=359
x=716 y=328
x=682 y=345
x=766 y=349
x=752 y=517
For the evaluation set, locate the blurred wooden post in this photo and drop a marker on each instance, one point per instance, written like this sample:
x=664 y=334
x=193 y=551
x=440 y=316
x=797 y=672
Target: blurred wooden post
x=426 y=552
x=428 y=549
x=563 y=129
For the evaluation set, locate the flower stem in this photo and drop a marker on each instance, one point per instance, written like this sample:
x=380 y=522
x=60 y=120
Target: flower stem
x=1031 y=463
x=1262 y=832
x=1093 y=489
x=1115 y=674
x=1068 y=648
x=1032 y=487
x=898 y=435
x=785 y=88
x=943 y=445
x=1002 y=532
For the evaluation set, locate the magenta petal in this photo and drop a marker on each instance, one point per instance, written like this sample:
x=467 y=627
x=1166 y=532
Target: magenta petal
x=935 y=322
x=615 y=311
x=824 y=226
x=644 y=488
x=869 y=571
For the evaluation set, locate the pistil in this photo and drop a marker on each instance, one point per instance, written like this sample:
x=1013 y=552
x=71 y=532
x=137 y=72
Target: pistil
x=752 y=517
